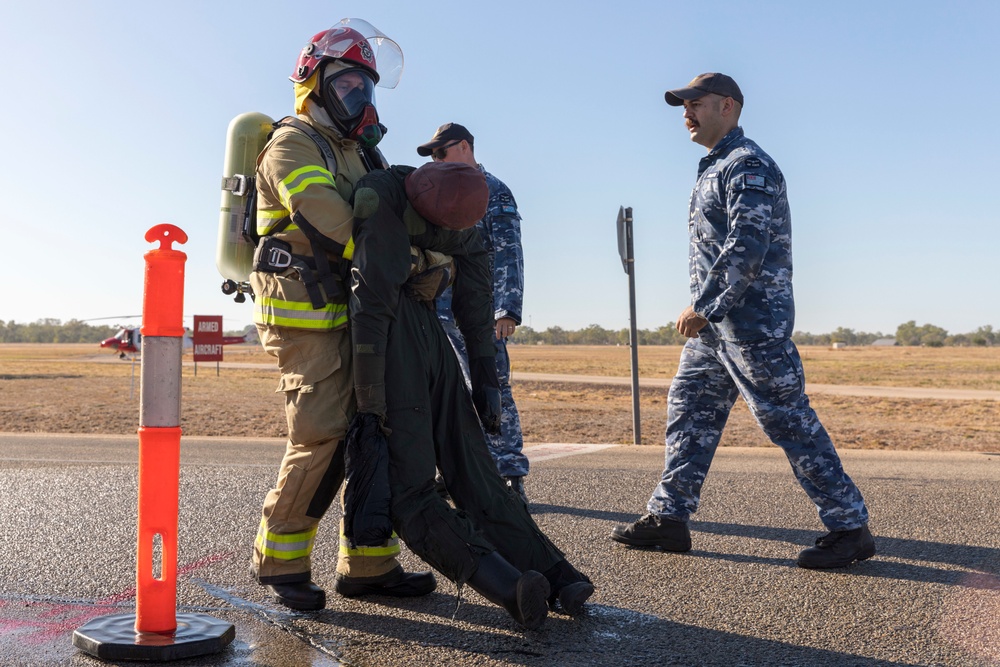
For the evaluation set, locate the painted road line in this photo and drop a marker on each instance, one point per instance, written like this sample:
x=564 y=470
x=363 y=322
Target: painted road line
x=558 y=450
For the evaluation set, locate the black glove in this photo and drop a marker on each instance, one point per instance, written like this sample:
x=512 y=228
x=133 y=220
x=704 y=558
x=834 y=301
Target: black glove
x=367 y=521
x=486 y=392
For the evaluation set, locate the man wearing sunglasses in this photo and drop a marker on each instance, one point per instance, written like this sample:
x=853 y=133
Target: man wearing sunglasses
x=500 y=229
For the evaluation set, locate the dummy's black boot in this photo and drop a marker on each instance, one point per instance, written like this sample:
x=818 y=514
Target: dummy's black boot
x=397 y=584
x=570 y=588
x=301 y=595
x=524 y=596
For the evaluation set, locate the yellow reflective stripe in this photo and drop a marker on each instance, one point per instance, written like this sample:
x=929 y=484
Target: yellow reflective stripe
x=300 y=179
x=390 y=548
x=349 y=249
x=298 y=314
x=287 y=546
x=268 y=218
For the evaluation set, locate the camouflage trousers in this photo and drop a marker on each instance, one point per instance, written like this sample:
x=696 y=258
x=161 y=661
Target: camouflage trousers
x=771 y=381
x=505 y=447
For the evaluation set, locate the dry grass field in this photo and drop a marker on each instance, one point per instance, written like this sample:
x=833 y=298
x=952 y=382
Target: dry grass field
x=80 y=389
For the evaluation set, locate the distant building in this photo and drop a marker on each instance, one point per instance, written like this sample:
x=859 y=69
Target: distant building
x=838 y=345
x=884 y=342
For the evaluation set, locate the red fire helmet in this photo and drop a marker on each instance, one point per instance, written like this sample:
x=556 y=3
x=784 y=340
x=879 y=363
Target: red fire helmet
x=355 y=41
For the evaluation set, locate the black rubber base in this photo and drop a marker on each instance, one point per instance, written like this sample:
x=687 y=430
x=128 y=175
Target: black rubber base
x=115 y=638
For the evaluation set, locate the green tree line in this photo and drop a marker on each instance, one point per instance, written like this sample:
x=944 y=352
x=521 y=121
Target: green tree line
x=56 y=331
x=908 y=333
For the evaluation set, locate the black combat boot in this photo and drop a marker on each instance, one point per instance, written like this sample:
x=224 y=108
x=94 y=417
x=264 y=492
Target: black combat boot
x=570 y=588
x=301 y=595
x=652 y=531
x=839 y=548
x=523 y=595
x=397 y=584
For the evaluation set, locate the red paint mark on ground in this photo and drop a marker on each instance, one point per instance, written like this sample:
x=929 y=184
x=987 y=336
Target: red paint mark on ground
x=31 y=618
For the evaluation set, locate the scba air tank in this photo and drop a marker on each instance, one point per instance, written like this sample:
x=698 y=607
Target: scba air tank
x=245 y=139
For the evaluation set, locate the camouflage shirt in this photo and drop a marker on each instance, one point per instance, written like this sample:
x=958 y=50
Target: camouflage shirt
x=501 y=232
x=741 y=244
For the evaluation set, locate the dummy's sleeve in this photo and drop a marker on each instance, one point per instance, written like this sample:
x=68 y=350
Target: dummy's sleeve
x=472 y=297
x=381 y=266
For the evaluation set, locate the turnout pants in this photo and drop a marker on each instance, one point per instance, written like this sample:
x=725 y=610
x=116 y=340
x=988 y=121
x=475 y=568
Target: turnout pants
x=318 y=384
x=772 y=383
x=434 y=424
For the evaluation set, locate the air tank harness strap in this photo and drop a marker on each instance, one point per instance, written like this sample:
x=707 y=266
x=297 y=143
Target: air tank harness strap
x=275 y=256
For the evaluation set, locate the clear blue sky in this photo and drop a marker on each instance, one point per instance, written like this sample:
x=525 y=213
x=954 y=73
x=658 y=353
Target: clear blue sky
x=882 y=116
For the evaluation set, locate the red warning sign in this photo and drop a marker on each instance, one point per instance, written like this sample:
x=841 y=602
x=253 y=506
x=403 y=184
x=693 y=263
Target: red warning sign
x=207 y=338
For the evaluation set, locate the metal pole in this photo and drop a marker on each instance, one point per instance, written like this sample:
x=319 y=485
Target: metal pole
x=633 y=337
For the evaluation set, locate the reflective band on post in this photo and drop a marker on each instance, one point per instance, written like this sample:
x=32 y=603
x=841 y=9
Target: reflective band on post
x=160 y=392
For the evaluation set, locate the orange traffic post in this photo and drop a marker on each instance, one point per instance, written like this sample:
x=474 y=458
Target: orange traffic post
x=156 y=632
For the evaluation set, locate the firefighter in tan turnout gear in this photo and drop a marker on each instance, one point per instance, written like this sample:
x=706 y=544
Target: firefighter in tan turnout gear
x=305 y=179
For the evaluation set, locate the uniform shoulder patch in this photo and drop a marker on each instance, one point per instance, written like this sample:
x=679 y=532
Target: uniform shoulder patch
x=755 y=181
x=752 y=162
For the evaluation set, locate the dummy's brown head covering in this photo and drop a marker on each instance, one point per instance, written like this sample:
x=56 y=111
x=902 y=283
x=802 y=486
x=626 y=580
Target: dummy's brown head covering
x=453 y=195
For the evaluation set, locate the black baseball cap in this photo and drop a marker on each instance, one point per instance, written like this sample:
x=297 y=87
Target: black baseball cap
x=703 y=84
x=445 y=134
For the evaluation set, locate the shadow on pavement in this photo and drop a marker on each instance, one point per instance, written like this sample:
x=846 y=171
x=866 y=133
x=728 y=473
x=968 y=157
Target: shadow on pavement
x=983 y=559
x=605 y=635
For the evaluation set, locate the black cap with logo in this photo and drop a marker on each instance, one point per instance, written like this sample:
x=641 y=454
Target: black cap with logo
x=445 y=134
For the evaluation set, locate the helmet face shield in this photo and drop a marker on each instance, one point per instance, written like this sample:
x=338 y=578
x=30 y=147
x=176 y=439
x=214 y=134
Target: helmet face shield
x=387 y=52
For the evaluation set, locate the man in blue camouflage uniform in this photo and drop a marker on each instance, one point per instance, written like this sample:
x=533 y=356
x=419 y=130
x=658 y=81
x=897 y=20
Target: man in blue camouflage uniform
x=739 y=326
x=501 y=232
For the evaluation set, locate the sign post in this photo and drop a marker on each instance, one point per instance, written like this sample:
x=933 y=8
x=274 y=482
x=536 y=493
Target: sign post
x=625 y=251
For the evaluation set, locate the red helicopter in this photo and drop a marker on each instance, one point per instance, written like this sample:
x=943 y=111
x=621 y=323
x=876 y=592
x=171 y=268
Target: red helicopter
x=128 y=341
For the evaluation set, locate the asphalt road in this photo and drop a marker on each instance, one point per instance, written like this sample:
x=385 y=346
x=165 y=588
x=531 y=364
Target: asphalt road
x=930 y=597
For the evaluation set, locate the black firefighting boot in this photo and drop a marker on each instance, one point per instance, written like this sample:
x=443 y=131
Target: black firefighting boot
x=652 y=531
x=397 y=584
x=523 y=595
x=570 y=588
x=301 y=595
x=839 y=548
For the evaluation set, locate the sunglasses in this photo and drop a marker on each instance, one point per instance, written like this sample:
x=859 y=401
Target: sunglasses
x=442 y=153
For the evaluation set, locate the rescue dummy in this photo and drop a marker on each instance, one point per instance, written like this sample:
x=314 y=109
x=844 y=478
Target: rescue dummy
x=304 y=221
x=409 y=381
